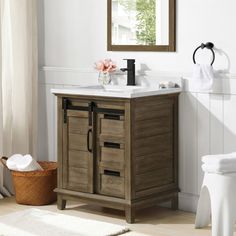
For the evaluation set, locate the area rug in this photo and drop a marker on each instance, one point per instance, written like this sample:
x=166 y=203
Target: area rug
x=35 y=222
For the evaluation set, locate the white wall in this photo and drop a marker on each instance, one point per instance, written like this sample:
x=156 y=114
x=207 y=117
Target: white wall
x=72 y=36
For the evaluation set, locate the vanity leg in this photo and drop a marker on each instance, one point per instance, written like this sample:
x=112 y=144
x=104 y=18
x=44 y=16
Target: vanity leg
x=175 y=202
x=130 y=214
x=61 y=203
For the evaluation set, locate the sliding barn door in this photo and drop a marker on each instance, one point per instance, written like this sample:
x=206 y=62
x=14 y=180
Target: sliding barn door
x=78 y=162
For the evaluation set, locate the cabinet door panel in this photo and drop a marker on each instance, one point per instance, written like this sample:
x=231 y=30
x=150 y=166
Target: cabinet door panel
x=77 y=142
x=78 y=125
x=78 y=175
x=78 y=161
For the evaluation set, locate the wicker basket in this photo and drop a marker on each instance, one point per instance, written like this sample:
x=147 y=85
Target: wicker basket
x=35 y=187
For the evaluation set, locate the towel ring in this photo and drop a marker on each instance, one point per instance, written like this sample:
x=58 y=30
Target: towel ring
x=209 y=46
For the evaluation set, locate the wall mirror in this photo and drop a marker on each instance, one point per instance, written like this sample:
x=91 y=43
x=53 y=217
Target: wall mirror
x=141 y=25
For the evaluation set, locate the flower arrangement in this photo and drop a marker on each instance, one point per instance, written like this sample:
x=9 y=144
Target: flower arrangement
x=105 y=66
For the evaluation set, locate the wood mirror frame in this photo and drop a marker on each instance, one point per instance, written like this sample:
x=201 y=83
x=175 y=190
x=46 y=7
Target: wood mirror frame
x=171 y=47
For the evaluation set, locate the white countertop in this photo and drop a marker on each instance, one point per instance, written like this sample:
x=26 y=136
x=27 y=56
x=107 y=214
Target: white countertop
x=116 y=91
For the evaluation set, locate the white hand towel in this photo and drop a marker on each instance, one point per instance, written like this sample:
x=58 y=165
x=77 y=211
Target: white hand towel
x=219 y=168
x=19 y=162
x=202 y=79
x=220 y=159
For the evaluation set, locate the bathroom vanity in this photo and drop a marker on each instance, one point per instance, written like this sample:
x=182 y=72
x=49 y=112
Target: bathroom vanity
x=118 y=149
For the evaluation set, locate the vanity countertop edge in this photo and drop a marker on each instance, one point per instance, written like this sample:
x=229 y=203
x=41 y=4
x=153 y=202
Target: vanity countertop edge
x=97 y=93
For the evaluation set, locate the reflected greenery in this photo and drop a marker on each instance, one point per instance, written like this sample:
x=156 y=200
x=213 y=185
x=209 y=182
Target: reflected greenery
x=145 y=11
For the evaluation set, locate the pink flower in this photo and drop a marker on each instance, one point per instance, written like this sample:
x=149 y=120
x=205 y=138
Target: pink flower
x=99 y=66
x=106 y=65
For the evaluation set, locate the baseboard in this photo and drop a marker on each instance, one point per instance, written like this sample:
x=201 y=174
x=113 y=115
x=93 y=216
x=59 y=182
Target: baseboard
x=188 y=202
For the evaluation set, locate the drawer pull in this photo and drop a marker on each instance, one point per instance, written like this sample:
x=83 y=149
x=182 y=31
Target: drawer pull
x=112 y=145
x=111 y=116
x=112 y=173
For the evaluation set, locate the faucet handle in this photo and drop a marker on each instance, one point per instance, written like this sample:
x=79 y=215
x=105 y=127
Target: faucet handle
x=131 y=60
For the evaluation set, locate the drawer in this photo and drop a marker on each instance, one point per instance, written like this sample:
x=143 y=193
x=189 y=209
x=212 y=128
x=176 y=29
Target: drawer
x=112 y=184
x=112 y=125
x=112 y=155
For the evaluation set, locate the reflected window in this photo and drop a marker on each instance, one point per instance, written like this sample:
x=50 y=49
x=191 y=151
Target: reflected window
x=139 y=22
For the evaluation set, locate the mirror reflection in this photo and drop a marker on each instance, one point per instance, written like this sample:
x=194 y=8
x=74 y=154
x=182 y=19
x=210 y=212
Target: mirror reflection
x=140 y=22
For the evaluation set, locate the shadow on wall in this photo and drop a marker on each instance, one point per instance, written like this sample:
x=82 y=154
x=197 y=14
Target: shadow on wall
x=222 y=53
x=146 y=77
x=41 y=32
x=42 y=96
x=207 y=125
x=43 y=149
x=211 y=130
x=221 y=82
x=46 y=152
x=141 y=76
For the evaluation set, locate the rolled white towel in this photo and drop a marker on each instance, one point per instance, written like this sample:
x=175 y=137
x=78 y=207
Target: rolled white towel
x=220 y=159
x=13 y=160
x=19 y=162
x=219 y=168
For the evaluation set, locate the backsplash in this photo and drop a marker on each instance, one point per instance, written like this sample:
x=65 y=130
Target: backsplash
x=81 y=77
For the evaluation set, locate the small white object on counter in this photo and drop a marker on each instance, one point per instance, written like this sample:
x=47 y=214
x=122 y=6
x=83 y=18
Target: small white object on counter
x=167 y=84
x=19 y=162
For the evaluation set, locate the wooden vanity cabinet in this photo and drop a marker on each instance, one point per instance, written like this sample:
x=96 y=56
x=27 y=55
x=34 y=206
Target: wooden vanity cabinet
x=118 y=153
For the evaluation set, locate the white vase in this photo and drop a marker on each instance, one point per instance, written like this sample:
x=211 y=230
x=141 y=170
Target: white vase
x=104 y=78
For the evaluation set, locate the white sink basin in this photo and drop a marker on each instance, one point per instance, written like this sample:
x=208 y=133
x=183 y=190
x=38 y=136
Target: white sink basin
x=113 y=88
x=122 y=88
